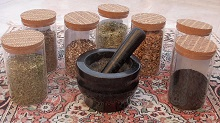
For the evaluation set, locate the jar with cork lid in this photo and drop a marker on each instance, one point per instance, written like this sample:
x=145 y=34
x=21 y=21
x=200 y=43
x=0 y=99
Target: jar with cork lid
x=190 y=71
x=80 y=27
x=25 y=64
x=43 y=20
x=113 y=26
x=193 y=27
x=149 y=52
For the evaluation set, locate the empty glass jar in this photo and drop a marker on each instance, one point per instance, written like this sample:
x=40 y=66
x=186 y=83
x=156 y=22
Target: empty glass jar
x=80 y=27
x=193 y=27
x=190 y=71
x=112 y=28
x=43 y=20
x=149 y=52
x=25 y=64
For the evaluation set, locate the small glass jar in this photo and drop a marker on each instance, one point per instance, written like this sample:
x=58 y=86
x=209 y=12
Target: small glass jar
x=193 y=27
x=149 y=52
x=113 y=28
x=80 y=29
x=25 y=64
x=190 y=71
x=43 y=20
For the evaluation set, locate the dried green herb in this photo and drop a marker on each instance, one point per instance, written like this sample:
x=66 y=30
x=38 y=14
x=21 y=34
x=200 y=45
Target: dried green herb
x=110 y=34
x=73 y=51
x=27 y=78
x=50 y=49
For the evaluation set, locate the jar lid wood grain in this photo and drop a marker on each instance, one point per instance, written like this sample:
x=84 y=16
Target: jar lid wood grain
x=148 y=21
x=38 y=17
x=193 y=27
x=195 y=47
x=23 y=41
x=114 y=11
x=81 y=20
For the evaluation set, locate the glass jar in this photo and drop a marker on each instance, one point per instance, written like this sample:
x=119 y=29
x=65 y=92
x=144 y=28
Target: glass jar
x=80 y=29
x=149 y=52
x=25 y=64
x=43 y=20
x=113 y=28
x=193 y=27
x=190 y=71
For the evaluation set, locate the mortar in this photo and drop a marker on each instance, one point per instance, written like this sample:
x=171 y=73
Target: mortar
x=106 y=92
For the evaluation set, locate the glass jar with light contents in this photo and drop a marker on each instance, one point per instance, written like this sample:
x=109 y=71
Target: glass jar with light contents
x=149 y=52
x=113 y=26
x=80 y=27
x=43 y=20
x=25 y=64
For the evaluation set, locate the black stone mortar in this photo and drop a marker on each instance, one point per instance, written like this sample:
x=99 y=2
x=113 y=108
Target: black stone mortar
x=106 y=92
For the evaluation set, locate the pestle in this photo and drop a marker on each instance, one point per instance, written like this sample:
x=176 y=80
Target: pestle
x=125 y=50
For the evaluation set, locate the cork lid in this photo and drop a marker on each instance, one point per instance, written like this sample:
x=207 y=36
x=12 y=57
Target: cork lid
x=195 y=47
x=193 y=27
x=148 y=21
x=38 y=17
x=81 y=20
x=23 y=41
x=114 y=11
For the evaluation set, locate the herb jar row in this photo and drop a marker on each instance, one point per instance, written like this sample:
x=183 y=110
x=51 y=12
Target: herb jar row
x=83 y=32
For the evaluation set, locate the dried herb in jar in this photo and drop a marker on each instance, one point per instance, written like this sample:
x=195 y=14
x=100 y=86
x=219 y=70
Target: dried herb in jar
x=27 y=76
x=73 y=51
x=110 y=34
x=50 y=49
x=149 y=52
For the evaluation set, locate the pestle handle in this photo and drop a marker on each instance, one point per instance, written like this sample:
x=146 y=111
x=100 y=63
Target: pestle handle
x=125 y=50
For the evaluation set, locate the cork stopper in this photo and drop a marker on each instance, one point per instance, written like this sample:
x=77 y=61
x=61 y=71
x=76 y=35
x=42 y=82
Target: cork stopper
x=23 y=41
x=193 y=27
x=81 y=20
x=114 y=11
x=148 y=21
x=195 y=47
x=38 y=18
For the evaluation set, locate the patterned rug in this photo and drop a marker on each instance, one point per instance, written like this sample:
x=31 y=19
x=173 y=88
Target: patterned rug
x=149 y=104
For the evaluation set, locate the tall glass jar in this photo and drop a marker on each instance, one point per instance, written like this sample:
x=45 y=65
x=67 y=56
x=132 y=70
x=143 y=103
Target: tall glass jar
x=25 y=64
x=190 y=71
x=193 y=27
x=149 y=52
x=43 y=20
x=112 y=30
x=80 y=29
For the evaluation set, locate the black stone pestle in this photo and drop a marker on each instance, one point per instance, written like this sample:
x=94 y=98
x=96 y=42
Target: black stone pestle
x=125 y=50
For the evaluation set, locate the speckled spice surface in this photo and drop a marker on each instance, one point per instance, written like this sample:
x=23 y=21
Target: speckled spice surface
x=110 y=34
x=27 y=77
x=73 y=51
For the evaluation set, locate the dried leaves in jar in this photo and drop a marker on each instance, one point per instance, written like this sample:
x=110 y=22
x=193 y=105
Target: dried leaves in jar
x=50 y=49
x=27 y=79
x=73 y=51
x=110 y=34
x=149 y=53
